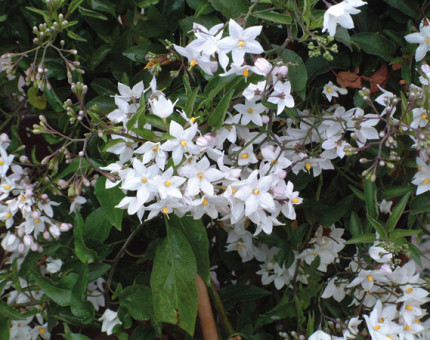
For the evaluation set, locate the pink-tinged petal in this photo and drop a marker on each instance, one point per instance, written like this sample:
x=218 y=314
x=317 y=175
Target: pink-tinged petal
x=253 y=47
x=235 y=30
x=206 y=187
x=415 y=38
x=252 y=32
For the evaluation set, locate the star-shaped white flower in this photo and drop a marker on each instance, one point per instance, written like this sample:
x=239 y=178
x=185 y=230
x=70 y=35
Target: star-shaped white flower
x=281 y=96
x=422 y=38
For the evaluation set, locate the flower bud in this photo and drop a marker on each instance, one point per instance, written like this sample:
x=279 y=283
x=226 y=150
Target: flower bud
x=262 y=67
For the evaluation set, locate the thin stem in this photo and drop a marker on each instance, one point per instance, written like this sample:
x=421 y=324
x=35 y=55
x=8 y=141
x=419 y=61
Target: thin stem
x=225 y=322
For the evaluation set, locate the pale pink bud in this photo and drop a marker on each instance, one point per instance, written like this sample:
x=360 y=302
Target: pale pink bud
x=21 y=248
x=262 y=67
x=202 y=141
x=64 y=227
x=28 y=240
x=47 y=235
x=34 y=247
x=265 y=119
x=278 y=191
x=214 y=67
x=55 y=231
x=425 y=68
x=282 y=174
x=385 y=268
x=282 y=71
x=35 y=214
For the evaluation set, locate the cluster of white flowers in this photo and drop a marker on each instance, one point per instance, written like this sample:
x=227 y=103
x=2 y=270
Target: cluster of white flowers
x=26 y=213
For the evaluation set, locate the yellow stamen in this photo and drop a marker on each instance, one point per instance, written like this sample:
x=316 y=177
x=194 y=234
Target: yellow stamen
x=42 y=331
x=167 y=183
x=23 y=198
x=245 y=156
x=427 y=181
x=193 y=63
x=143 y=180
x=420 y=168
x=329 y=89
x=256 y=192
x=37 y=220
x=233 y=191
x=200 y=175
x=1 y=162
x=314 y=253
x=407 y=328
x=409 y=290
x=389 y=336
x=308 y=166
x=409 y=307
x=155 y=148
x=239 y=246
x=377 y=327
x=165 y=211
x=241 y=43
x=428 y=41
x=424 y=116
x=381 y=320
x=183 y=142
x=245 y=73
x=8 y=215
x=7 y=187
x=205 y=202
x=250 y=110
x=370 y=278
x=418 y=321
x=295 y=200
x=193 y=119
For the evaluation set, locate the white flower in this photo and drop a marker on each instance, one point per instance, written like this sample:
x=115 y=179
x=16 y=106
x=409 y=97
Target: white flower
x=320 y=335
x=110 y=320
x=197 y=58
x=168 y=185
x=330 y=90
x=385 y=206
x=336 y=289
x=379 y=254
x=281 y=96
x=253 y=91
x=420 y=117
x=251 y=111
x=422 y=177
x=162 y=107
x=77 y=203
x=241 y=41
x=422 y=38
x=340 y=14
x=53 y=265
x=127 y=94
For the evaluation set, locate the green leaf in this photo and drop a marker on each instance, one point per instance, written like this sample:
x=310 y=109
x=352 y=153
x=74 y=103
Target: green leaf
x=375 y=44
x=89 y=13
x=196 y=234
x=74 y=36
x=173 y=282
x=38 y=11
x=420 y=203
x=370 y=198
x=230 y=295
x=60 y=296
x=9 y=312
x=337 y=212
x=143 y=332
x=4 y=328
x=355 y=227
x=97 y=226
x=397 y=212
x=399 y=233
x=77 y=163
x=138 y=300
x=74 y=5
x=147 y=3
x=36 y=100
x=216 y=119
x=380 y=229
x=408 y=7
x=81 y=308
x=229 y=8
x=297 y=72
x=277 y=18
x=53 y=100
x=83 y=253
x=108 y=199
x=103 y=6
x=397 y=191
x=365 y=238
x=191 y=99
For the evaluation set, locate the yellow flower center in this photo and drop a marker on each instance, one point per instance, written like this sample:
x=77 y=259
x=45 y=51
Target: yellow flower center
x=381 y=320
x=314 y=253
x=8 y=215
x=389 y=336
x=420 y=168
x=308 y=166
x=193 y=63
x=250 y=110
x=42 y=331
x=245 y=73
x=295 y=200
x=377 y=327
x=205 y=202
x=23 y=198
x=409 y=307
x=37 y=220
x=241 y=43
x=233 y=190
x=245 y=156
x=329 y=89
x=143 y=180
x=167 y=183
x=256 y=192
x=428 y=41
x=1 y=162
x=165 y=211
x=239 y=246
x=424 y=116
x=369 y=278
x=193 y=119
x=200 y=175
x=155 y=148
x=409 y=290
x=427 y=181
x=407 y=328
x=183 y=142
x=7 y=187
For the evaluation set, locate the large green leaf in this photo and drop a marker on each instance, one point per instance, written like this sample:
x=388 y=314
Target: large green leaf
x=81 y=307
x=97 y=226
x=370 y=198
x=409 y=7
x=216 y=119
x=375 y=44
x=196 y=234
x=230 y=8
x=82 y=252
x=277 y=18
x=138 y=300
x=173 y=282
x=59 y=295
x=108 y=199
x=397 y=212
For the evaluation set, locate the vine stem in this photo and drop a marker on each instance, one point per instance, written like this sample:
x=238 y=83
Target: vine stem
x=204 y=310
x=220 y=309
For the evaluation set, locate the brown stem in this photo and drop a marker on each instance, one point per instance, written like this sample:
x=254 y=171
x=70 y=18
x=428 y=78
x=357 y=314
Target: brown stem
x=206 y=317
